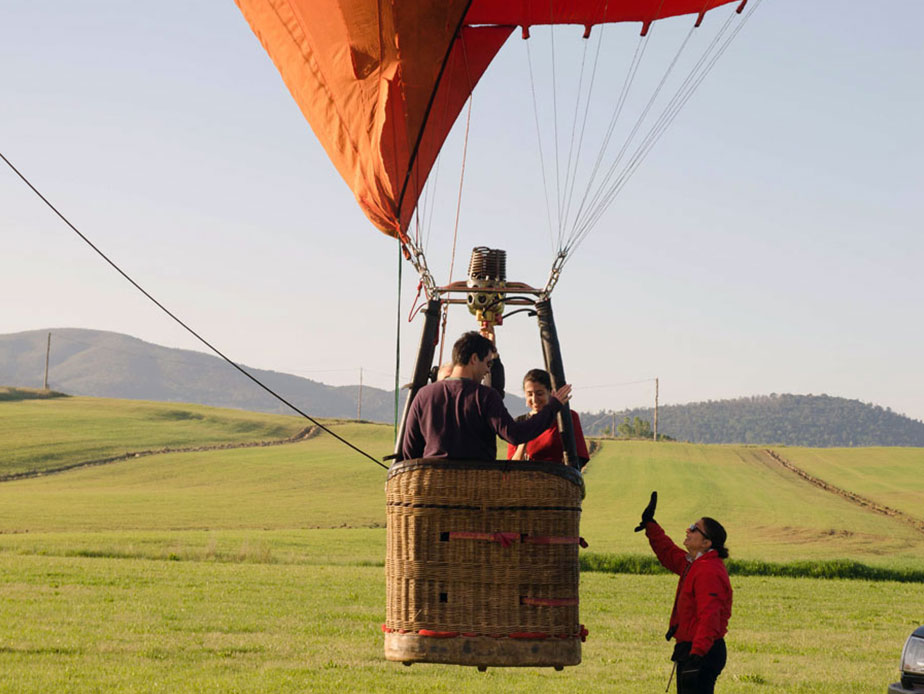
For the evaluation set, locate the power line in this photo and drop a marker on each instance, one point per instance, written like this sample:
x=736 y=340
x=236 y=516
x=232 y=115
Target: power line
x=618 y=385
x=186 y=327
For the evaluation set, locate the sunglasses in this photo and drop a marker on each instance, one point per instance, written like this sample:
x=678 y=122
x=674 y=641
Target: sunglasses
x=695 y=529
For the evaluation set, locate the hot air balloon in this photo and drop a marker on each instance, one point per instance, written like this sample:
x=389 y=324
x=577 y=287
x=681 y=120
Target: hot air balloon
x=482 y=562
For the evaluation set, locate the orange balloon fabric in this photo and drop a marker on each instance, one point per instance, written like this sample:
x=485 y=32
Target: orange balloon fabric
x=382 y=81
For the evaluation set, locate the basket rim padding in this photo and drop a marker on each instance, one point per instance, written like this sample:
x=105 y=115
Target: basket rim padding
x=558 y=469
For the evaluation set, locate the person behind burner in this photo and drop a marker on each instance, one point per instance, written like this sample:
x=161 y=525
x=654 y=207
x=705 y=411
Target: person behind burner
x=547 y=447
x=461 y=419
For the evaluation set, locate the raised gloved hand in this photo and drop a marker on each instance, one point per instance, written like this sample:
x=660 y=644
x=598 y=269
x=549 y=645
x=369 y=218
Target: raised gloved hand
x=648 y=513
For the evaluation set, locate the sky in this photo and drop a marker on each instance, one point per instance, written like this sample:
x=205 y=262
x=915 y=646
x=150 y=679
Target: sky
x=769 y=243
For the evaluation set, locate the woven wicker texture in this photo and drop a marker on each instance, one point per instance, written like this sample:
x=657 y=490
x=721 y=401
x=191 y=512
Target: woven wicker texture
x=474 y=585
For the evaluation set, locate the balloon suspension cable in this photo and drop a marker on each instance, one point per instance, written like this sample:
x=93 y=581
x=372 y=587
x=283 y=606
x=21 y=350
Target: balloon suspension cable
x=554 y=274
x=415 y=255
x=615 y=164
x=444 y=309
x=188 y=329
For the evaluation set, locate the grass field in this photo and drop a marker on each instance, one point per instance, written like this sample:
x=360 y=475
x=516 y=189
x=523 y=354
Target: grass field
x=260 y=569
x=80 y=624
x=41 y=434
x=889 y=476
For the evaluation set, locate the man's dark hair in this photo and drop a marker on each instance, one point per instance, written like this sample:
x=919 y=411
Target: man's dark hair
x=471 y=343
x=717 y=534
x=538 y=376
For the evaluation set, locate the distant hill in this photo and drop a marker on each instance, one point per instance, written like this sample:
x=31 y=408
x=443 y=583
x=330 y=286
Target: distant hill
x=112 y=365
x=794 y=420
x=106 y=364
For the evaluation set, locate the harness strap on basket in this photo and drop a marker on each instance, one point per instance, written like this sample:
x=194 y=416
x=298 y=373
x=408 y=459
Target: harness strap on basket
x=553 y=540
x=582 y=634
x=505 y=539
x=550 y=602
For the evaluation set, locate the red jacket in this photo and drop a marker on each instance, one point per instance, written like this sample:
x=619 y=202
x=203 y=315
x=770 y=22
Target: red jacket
x=702 y=605
x=547 y=447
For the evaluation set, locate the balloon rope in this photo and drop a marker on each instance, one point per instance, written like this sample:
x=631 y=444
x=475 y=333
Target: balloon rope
x=697 y=74
x=573 y=175
x=175 y=318
x=455 y=227
x=545 y=182
x=609 y=189
x=555 y=128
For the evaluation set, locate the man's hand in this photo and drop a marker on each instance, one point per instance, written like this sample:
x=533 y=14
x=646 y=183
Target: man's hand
x=562 y=393
x=648 y=513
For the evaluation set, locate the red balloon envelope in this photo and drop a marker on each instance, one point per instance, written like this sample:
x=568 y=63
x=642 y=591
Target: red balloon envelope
x=381 y=83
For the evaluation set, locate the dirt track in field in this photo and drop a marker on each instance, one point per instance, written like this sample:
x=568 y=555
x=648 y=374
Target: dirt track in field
x=852 y=497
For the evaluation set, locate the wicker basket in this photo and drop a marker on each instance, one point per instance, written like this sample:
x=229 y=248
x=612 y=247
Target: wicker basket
x=482 y=563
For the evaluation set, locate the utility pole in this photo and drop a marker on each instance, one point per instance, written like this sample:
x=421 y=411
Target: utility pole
x=613 y=429
x=656 y=411
x=359 y=406
x=47 y=354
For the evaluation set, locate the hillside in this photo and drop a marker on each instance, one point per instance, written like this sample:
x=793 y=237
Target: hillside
x=112 y=365
x=318 y=482
x=793 y=420
x=50 y=434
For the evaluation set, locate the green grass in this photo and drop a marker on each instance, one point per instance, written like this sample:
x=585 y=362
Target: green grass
x=42 y=434
x=260 y=569
x=770 y=513
x=315 y=483
x=889 y=476
x=642 y=564
x=81 y=624
x=8 y=393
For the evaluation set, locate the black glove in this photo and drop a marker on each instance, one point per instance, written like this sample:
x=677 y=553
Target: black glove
x=688 y=671
x=648 y=513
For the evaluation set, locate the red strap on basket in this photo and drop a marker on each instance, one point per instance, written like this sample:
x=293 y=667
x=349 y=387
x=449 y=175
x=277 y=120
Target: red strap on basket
x=582 y=634
x=504 y=539
x=549 y=602
x=555 y=540
x=438 y=634
x=507 y=539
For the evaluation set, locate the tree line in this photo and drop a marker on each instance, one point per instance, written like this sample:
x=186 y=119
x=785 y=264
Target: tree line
x=794 y=420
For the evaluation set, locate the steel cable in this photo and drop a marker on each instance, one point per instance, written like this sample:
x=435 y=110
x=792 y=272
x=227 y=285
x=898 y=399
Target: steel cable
x=180 y=322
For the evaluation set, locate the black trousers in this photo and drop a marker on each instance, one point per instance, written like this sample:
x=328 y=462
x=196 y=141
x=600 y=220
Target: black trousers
x=701 y=680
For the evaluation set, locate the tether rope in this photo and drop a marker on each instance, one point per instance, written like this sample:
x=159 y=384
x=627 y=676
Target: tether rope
x=180 y=322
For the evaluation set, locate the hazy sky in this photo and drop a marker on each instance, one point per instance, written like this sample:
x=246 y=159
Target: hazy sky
x=769 y=243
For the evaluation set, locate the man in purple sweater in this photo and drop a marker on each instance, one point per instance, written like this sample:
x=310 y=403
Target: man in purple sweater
x=461 y=419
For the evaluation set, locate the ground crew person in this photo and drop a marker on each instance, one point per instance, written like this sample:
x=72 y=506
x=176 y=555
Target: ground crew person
x=702 y=603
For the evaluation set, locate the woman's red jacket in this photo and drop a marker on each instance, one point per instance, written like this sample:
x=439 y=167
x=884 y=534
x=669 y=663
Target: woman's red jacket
x=702 y=605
